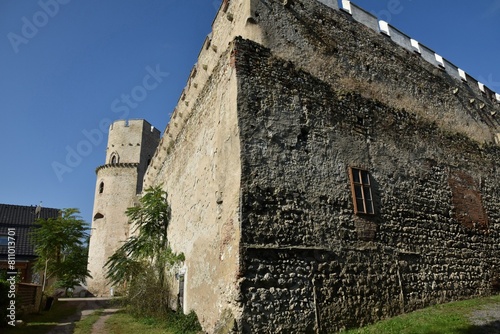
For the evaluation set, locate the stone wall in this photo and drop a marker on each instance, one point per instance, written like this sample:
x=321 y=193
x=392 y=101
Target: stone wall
x=309 y=262
x=403 y=40
x=333 y=47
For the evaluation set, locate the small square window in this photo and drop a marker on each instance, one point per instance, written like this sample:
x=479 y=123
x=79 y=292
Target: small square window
x=361 y=191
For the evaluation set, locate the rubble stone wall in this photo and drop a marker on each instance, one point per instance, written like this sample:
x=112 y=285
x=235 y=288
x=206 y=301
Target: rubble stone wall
x=310 y=262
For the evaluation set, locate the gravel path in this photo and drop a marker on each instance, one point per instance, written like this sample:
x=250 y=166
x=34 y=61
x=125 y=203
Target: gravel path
x=486 y=320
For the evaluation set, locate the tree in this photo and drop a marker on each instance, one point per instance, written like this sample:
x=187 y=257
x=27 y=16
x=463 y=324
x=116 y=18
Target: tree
x=146 y=253
x=61 y=249
x=73 y=269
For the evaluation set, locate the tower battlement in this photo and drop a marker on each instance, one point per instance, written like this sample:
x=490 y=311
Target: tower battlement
x=371 y=21
x=131 y=124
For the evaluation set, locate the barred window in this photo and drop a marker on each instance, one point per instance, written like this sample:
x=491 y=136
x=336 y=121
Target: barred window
x=361 y=188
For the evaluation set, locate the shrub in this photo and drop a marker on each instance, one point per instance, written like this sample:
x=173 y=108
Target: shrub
x=182 y=323
x=148 y=295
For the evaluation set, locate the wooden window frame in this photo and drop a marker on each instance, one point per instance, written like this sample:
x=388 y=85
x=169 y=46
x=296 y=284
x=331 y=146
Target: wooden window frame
x=361 y=189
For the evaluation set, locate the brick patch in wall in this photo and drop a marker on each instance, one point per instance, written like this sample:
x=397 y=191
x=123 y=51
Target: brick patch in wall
x=467 y=203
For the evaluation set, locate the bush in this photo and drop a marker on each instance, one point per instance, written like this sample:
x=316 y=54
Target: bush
x=148 y=296
x=183 y=324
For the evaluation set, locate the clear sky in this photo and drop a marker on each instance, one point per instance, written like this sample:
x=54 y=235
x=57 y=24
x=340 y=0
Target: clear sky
x=66 y=66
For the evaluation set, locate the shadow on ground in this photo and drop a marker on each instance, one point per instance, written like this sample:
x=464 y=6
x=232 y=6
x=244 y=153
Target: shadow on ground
x=492 y=327
x=84 y=307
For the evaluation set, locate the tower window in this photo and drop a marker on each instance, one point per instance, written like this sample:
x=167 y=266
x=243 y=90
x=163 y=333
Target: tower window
x=101 y=187
x=361 y=188
x=115 y=158
x=98 y=216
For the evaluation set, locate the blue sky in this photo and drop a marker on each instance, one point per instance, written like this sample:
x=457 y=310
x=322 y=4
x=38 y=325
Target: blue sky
x=65 y=69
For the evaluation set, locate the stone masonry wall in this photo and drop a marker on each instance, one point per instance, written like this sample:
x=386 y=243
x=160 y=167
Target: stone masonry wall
x=309 y=262
x=330 y=45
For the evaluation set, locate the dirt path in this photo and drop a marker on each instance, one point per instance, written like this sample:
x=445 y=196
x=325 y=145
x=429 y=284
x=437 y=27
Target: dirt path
x=98 y=327
x=85 y=306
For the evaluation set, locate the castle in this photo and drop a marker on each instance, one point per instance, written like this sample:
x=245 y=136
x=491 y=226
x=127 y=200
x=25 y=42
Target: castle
x=324 y=171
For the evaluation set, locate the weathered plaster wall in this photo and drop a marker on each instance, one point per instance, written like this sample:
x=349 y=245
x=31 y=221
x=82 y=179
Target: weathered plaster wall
x=309 y=262
x=201 y=173
x=112 y=229
x=234 y=18
x=197 y=161
x=132 y=141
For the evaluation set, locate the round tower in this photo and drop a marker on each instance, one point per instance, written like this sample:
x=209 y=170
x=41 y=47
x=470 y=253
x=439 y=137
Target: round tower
x=131 y=145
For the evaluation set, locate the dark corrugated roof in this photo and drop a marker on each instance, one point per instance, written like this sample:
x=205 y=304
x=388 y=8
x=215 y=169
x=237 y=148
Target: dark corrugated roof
x=21 y=218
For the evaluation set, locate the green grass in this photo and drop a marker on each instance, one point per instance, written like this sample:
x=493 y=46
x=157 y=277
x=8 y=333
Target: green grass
x=41 y=323
x=451 y=318
x=125 y=323
x=84 y=326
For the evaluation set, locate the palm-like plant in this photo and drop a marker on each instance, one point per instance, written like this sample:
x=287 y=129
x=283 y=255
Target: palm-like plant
x=147 y=250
